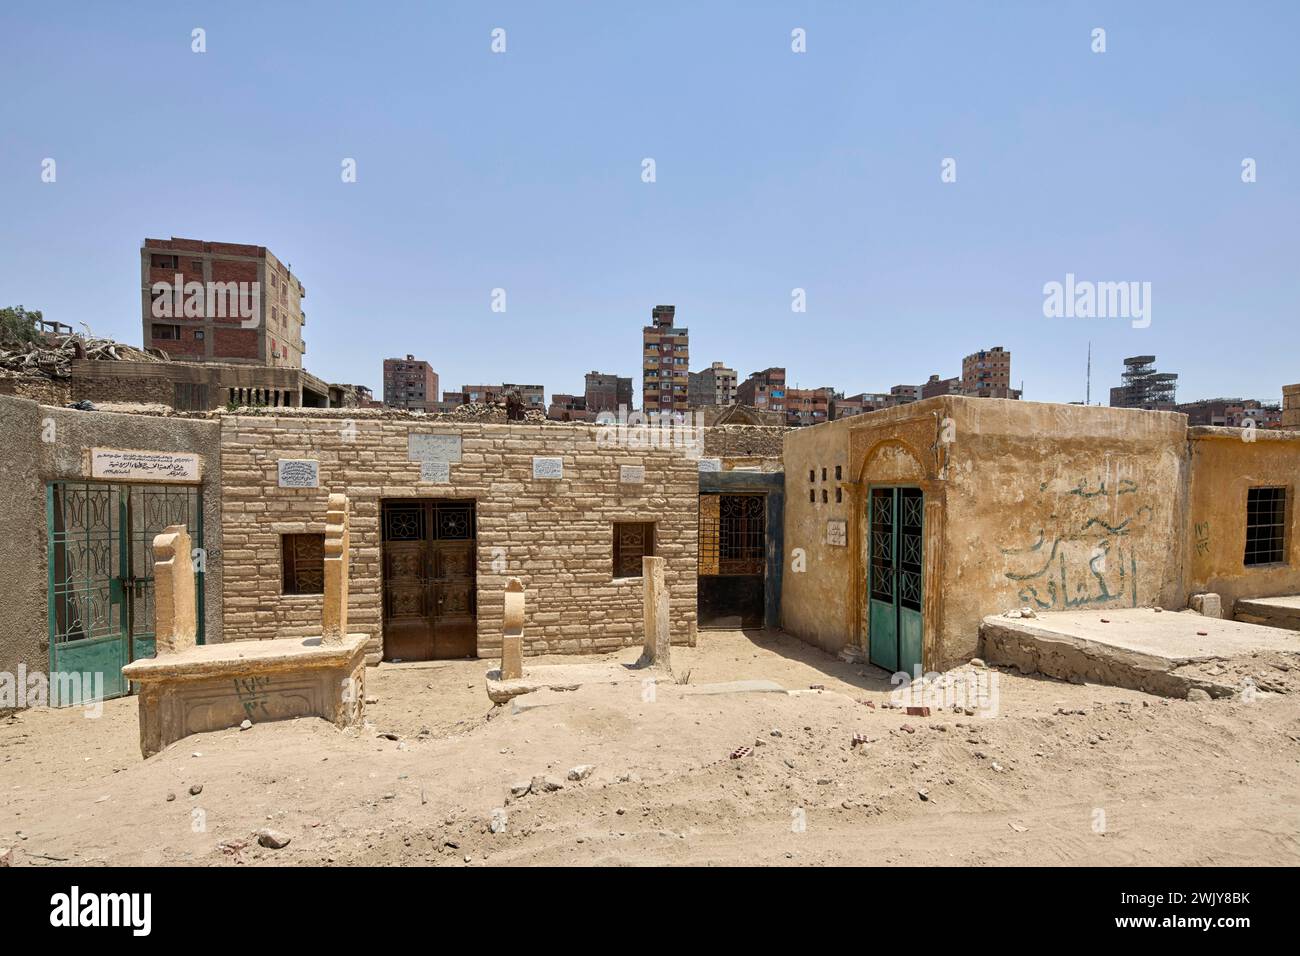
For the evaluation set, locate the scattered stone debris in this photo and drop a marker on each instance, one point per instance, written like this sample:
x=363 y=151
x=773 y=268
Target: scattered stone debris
x=924 y=794
x=1197 y=694
x=542 y=784
x=918 y=711
x=246 y=725
x=196 y=789
x=54 y=359
x=741 y=752
x=581 y=772
x=6 y=857
x=858 y=740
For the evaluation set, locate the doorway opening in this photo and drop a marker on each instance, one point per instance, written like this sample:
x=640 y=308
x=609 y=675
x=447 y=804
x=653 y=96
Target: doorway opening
x=101 y=613
x=895 y=536
x=429 y=567
x=732 y=562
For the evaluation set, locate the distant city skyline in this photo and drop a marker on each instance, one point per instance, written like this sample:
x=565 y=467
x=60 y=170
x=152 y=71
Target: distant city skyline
x=774 y=171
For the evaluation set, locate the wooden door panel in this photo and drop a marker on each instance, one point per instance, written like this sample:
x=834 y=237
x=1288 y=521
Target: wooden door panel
x=429 y=580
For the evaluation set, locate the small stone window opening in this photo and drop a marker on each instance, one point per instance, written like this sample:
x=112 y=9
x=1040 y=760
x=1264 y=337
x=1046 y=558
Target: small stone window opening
x=633 y=540
x=812 y=496
x=839 y=473
x=839 y=496
x=812 y=474
x=1265 y=526
x=823 y=474
x=303 y=560
x=824 y=496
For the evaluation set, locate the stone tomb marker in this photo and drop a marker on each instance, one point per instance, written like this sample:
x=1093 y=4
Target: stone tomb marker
x=334 y=611
x=512 y=632
x=656 y=649
x=175 y=622
x=188 y=688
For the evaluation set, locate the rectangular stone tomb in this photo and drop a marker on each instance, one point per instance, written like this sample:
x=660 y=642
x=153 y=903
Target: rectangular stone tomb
x=217 y=686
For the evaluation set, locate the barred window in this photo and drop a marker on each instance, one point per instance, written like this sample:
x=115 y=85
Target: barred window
x=633 y=540
x=1265 y=526
x=303 y=557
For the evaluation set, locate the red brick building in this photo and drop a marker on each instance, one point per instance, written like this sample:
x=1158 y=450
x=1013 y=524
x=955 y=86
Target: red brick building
x=808 y=406
x=221 y=302
x=763 y=390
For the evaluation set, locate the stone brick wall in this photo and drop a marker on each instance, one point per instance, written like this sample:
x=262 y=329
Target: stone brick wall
x=36 y=387
x=1291 y=406
x=743 y=441
x=155 y=390
x=555 y=535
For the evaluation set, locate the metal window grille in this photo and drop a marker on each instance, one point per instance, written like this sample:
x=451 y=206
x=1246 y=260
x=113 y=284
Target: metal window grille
x=1265 y=526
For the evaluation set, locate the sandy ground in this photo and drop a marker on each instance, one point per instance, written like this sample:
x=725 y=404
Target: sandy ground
x=1064 y=774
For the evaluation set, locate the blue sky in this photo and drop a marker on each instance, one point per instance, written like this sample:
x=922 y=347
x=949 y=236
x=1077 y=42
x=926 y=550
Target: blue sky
x=775 y=170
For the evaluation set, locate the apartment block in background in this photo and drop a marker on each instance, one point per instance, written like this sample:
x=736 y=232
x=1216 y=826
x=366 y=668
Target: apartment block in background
x=904 y=394
x=665 y=367
x=1144 y=387
x=261 y=299
x=808 y=406
x=569 y=408
x=987 y=374
x=941 y=386
x=529 y=396
x=763 y=390
x=410 y=383
x=1231 y=412
x=848 y=406
x=716 y=385
x=605 y=393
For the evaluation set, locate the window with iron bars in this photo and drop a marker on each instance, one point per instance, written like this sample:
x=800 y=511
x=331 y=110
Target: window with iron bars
x=1265 y=526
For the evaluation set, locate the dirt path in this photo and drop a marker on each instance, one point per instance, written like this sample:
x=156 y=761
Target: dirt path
x=1131 y=779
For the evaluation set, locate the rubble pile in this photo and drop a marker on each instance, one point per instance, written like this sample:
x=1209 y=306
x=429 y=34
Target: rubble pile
x=52 y=357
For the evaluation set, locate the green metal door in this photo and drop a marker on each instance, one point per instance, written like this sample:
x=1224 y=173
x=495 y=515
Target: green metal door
x=895 y=549
x=101 y=579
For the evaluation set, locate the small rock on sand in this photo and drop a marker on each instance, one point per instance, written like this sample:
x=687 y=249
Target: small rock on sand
x=272 y=839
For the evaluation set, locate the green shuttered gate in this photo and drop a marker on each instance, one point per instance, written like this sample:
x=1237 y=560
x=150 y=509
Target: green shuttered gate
x=895 y=542
x=101 y=613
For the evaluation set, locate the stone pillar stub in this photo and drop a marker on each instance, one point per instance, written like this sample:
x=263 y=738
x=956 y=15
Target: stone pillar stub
x=334 y=609
x=656 y=649
x=512 y=632
x=175 y=621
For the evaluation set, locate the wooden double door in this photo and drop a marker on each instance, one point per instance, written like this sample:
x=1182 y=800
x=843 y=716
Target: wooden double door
x=429 y=561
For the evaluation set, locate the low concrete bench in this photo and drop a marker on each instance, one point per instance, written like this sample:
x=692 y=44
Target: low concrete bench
x=189 y=689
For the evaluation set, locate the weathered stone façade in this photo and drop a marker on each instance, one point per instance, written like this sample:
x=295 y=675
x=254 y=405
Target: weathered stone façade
x=556 y=535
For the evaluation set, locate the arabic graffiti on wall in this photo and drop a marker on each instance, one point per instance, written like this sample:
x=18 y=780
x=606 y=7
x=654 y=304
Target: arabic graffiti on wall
x=1090 y=559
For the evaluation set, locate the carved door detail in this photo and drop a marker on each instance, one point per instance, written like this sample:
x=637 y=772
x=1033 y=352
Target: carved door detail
x=429 y=579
